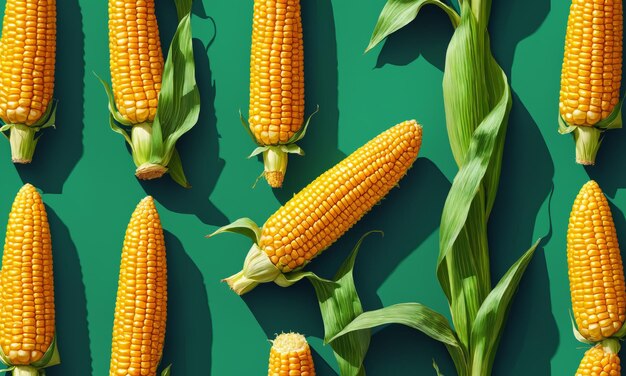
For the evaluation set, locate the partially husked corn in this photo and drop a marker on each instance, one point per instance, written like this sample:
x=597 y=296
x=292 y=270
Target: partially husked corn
x=276 y=71
x=599 y=361
x=595 y=268
x=328 y=207
x=27 y=59
x=141 y=305
x=27 y=316
x=290 y=356
x=592 y=65
x=136 y=58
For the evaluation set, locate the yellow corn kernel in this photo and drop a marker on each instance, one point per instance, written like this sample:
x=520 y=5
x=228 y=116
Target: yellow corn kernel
x=595 y=269
x=599 y=361
x=290 y=356
x=27 y=295
x=592 y=64
x=141 y=305
x=136 y=58
x=276 y=71
x=28 y=53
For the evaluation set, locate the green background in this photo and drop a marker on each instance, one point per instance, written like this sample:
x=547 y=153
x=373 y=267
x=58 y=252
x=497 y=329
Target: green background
x=86 y=175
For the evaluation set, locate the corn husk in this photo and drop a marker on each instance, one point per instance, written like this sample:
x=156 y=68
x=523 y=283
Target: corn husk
x=153 y=145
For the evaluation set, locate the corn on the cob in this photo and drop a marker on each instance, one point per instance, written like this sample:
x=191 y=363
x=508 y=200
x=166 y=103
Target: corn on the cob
x=328 y=207
x=136 y=63
x=290 y=355
x=141 y=306
x=27 y=316
x=276 y=80
x=27 y=59
x=592 y=70
x=601 y=360
x=595 y=267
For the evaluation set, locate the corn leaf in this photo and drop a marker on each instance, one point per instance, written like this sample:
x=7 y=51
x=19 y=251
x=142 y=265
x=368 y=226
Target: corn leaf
x=487 y=328
x=179 y=98
x=398 y=13
x=413 y=315
x=340 y=304
x=175 y=169
x=242 y=226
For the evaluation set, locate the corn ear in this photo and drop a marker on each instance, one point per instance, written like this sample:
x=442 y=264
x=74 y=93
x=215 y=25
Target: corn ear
x=27 y=64
x=27 y=311
x=328 y=207
x=152 y=104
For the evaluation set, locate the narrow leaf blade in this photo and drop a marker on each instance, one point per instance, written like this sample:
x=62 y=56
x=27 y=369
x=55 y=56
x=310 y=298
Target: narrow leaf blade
x=413 y=315
x=242 y=226
x=487 y=328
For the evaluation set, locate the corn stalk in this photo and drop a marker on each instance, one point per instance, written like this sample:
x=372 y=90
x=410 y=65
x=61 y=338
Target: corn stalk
x=477 y=104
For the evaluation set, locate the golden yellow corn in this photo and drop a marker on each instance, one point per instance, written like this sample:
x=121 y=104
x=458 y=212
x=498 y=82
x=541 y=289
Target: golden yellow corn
x=27 y=60
x=141 y=306
x=592 y=71
x=595 y=269
x=328 y=207
x=27 y=327
x=600 y=361
x=136 y=58
x=276 y=81
x=276 y=71
x=592 y=65
x=290 y=355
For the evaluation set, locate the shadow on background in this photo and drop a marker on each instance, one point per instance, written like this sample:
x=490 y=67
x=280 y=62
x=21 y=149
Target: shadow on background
x=428 y=36
x=321 y=83
x=71 y=303
x=609 y=160
x=199 y=151
x=189 y=336
x=60 y=149
x=525 y=183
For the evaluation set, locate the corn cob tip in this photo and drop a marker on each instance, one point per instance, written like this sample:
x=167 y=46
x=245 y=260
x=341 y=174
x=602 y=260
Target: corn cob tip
x=257 y=268
x=601 y=360
x=289 y=342
x=290 y=351
x=274 y=178
x=150 y=171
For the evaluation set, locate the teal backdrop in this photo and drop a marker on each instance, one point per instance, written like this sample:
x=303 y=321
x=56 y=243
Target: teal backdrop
x=86 y=175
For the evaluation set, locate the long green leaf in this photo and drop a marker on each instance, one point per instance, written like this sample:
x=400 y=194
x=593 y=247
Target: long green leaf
x=242 y=226
x=413 y=315
x=398 y=13
x=340 y=304
x=487 y=328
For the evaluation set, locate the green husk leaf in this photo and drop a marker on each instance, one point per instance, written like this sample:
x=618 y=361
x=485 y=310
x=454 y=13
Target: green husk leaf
x=7 y=369
x=299 y=135
x=579 y=337
x=413 y=315
x=258 y=150
x=242 y=226
x=292 y=149
x=175 y=169
x=340 y=304
x=112 y=109
x=246 y=126
x=487 y=328
x=167 y=371
x=398 y=13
